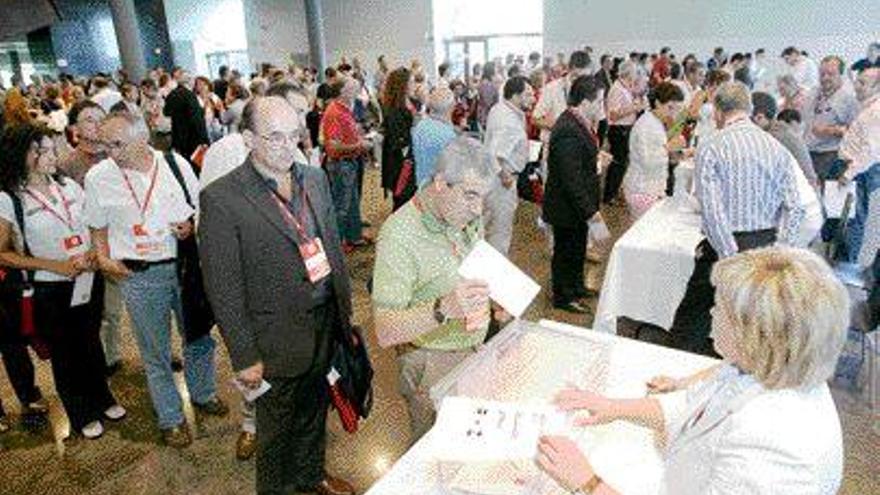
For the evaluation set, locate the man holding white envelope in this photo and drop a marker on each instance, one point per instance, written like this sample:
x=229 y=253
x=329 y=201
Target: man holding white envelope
x=432 y=316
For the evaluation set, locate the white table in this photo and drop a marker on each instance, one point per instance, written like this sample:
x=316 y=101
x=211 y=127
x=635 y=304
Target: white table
x=623 y=454
x=649 y=267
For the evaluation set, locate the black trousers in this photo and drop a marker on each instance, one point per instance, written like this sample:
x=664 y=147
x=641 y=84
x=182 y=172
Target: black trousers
x=618 y=141
x=602 y=132
x=16 y=359
x=73 y=336
x=292 y=417
x=567 y=264
x=692 y=325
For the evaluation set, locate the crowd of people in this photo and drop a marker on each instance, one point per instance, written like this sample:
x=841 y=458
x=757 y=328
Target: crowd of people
x=235 y=202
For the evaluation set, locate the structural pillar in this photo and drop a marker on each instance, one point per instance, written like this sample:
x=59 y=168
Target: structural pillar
x=128 y=38
x=315 y=26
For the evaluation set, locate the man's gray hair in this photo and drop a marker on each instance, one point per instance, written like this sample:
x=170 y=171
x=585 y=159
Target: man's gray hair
x=136 y=123
x=441 y=101
x=733 y=96
x=465 y=155
x=627 y=69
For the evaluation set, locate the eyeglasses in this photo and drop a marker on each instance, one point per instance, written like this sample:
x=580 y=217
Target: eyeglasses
x=114 y=145
x=41 y=152
x=278 y=139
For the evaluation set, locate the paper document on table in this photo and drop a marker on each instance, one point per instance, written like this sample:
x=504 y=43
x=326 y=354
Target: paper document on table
x=471 y=430
x=534 y=151
x=508 y=285
x=835 y=198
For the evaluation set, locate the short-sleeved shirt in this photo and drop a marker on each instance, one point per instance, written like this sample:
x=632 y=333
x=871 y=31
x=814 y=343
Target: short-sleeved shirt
x=338 y=124
x=619 y=97
x=417 y=260
x=839 y=108
x=111 y=204
x=45 y=231
x=429 y=138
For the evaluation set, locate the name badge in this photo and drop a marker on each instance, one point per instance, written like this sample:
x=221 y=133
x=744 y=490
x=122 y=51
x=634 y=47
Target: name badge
x=315 y=259
x=72 y=243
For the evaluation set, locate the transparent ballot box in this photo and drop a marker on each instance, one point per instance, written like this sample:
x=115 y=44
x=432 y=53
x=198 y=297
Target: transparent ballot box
x=494 y=406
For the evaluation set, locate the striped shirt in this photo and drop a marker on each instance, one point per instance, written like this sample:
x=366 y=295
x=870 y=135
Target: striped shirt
x=745 y=182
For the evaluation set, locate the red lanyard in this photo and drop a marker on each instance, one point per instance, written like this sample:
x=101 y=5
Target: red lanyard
x=68 y=222
x=295 y=223
x=142 y=207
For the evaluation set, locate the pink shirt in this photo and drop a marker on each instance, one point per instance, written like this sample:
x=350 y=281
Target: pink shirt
x=620 y=98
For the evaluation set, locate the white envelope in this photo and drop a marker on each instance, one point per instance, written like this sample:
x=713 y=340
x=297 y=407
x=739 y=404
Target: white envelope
x=508 y=285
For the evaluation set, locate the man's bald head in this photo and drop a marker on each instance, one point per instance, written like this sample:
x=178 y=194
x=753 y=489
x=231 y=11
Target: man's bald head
x=441 y=102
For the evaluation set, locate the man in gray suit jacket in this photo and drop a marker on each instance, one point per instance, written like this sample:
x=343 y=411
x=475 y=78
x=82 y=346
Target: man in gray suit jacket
x=275 y=273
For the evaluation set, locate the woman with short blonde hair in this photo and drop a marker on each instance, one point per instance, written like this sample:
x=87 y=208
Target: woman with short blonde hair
x=762 y=421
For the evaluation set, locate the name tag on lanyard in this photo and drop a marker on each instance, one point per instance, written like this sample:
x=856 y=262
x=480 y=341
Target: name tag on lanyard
x=311 y=250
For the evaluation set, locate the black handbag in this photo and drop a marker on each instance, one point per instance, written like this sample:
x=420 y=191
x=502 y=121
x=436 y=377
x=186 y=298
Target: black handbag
x=352 y=362
x=198 y=316
x=529 y=185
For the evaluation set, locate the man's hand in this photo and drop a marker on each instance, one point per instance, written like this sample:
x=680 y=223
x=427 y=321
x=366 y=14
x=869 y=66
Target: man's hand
x=252 y=376
x=468 y=301
x=69 y=268
x=561 y=458
x=676 y=144
x=507 y=179
x=115 y=270
x=182 y=230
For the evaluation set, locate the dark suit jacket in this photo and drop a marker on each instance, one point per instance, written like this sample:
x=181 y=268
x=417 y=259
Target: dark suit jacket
x=188 y=129
x=254 y=274
x=572 y=192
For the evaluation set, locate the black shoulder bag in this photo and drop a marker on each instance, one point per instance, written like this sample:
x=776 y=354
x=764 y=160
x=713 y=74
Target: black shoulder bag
x=198 y=317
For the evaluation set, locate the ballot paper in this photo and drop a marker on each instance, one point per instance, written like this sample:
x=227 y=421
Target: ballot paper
x=475 y=430
x=251 y=394
x=508 y=285
x=82 y=289
x=534 y=151
x=834 y=198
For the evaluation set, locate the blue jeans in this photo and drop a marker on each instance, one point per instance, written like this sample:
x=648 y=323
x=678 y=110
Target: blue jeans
x=150 y=297
x=346 y=197
x=866 y=183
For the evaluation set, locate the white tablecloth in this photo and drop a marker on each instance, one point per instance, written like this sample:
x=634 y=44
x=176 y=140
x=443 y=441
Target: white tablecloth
x=649 y=267
x=623 y=454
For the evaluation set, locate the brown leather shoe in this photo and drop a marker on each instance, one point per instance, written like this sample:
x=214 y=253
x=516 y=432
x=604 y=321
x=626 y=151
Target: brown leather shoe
x=334 y=486
x=246 y=445
x=214 y=407
x=177 y=437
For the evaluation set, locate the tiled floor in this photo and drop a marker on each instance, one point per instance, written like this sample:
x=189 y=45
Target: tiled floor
x=129 y=459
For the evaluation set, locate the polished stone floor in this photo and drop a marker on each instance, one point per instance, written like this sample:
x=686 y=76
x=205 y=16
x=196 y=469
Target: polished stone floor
x=129 y=459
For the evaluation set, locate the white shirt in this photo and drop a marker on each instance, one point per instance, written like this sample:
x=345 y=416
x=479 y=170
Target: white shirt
x=648 y=157
x=620 y=98
x=110 y=203
x=861 y=143
x=750 y=440
x=225 y=155
x=506 y=136
x=553 y=101
x=107 y=98
x=46 y=232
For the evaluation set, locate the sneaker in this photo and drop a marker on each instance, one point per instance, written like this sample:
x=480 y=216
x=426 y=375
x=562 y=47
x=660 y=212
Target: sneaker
x=115 y=412
x=214 y=407
x=177 y=437
x=39 y=406
x=4 y=424
x=93 y=430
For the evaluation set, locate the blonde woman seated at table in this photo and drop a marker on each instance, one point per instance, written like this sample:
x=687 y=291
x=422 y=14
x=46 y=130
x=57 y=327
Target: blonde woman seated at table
x=763 y=421
x=650 y=149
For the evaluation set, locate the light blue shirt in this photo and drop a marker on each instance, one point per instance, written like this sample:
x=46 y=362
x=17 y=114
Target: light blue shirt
x=429 y=138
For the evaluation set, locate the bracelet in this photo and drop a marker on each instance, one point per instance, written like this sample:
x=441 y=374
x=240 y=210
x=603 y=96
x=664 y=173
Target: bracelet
x=590 y=485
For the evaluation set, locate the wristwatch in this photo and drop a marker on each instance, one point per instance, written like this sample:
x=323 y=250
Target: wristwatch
x=589 y=486
x=438 y=314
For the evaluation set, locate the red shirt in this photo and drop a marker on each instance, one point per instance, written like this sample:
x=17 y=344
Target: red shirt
x=338 y=124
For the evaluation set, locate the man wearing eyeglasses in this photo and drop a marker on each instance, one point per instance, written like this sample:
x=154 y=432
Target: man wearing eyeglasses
x=432 y=317
x=275 y=274
x=137 y=210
